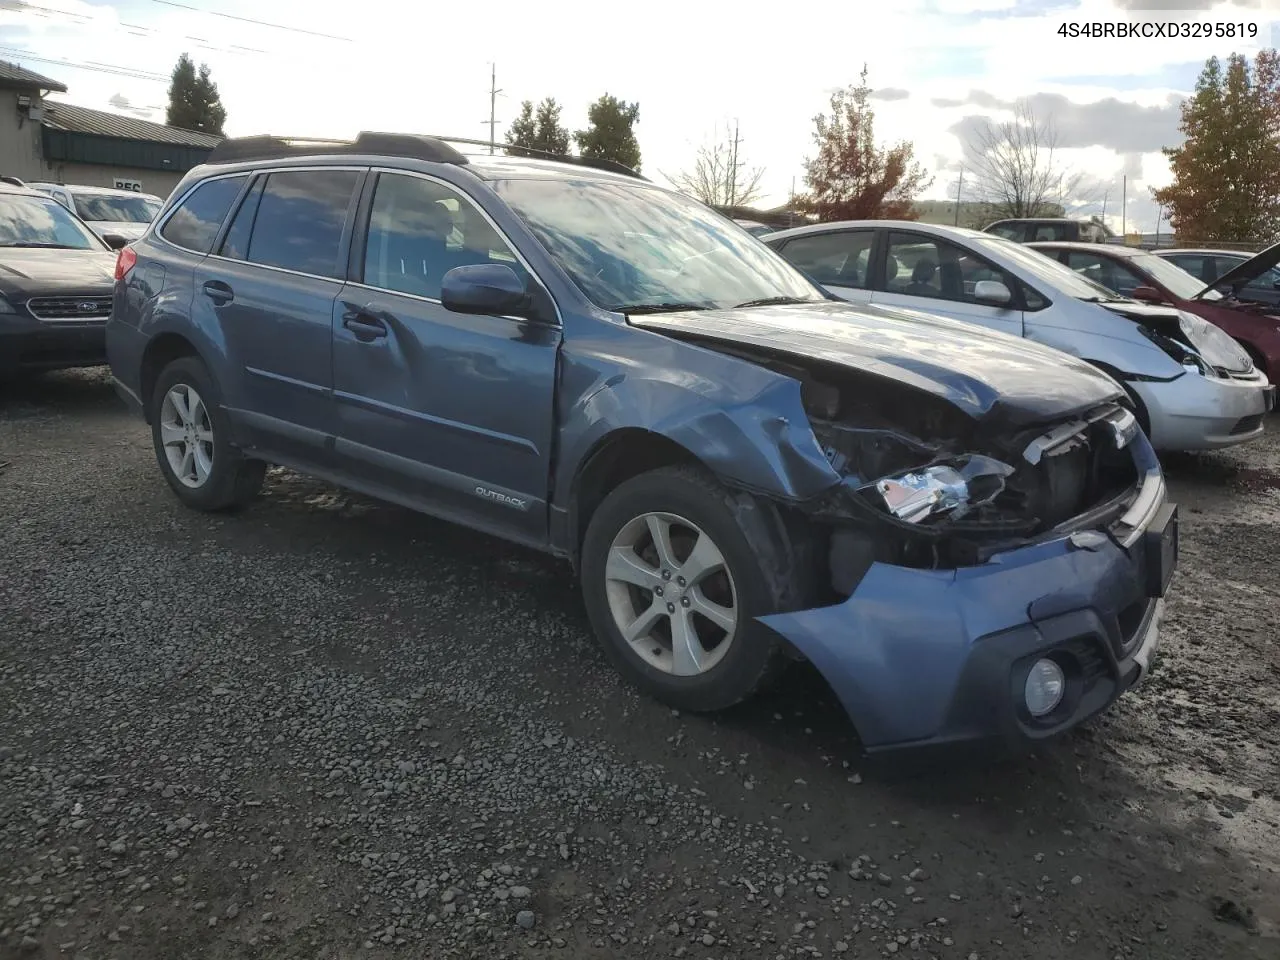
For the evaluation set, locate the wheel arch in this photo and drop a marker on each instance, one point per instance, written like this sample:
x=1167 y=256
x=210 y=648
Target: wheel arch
x=161 y=351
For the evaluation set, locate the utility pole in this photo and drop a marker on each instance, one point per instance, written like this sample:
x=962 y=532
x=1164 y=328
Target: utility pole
x=1105 y=197
x=731 y=193
x=493 y=101
x=959 y=188
x=1124 y=206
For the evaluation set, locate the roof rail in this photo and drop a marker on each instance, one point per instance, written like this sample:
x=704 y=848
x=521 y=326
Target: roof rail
x=610 y=166
x=386 y=144
x=14 y=181
x=435 y=149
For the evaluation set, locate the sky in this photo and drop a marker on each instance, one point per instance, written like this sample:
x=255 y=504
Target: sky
x=327 y=69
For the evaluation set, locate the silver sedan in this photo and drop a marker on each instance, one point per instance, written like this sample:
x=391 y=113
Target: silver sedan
x=1193 y=386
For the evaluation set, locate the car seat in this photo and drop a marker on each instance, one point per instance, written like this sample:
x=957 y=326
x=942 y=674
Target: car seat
x=921 y=274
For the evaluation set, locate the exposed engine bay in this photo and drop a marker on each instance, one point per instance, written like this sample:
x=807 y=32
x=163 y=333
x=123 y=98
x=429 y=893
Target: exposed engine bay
x=924 y=485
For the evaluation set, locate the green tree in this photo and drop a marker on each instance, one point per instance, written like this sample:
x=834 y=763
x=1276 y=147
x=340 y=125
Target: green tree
x=1226 y=173
x=853 y=177
x=194 y=103
x=540 y=129
x=610 y=133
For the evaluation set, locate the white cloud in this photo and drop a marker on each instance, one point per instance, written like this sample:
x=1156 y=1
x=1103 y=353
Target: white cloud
x=425 y=68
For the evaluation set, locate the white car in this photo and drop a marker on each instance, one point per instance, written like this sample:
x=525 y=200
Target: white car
x=107 y=211
x=1193 y=386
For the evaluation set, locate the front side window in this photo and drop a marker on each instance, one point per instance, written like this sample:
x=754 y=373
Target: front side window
x=921 y=266
x=117 y=209
x=632 y=247
x=300 y=221
x=836 y=259
x=27 y=221
x=419 y=230
x=196 y=222
x=1051 y=233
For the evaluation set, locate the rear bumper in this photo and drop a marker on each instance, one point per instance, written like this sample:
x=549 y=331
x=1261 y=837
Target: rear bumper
x=29 y=344
x=928 y=660
x=1203 y=413
x=124 y=349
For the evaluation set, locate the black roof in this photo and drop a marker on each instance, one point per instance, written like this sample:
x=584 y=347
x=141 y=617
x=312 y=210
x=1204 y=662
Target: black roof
x=411 y=146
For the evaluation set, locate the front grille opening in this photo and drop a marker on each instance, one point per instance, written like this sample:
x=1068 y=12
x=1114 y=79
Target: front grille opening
x=1075 y=477
x=1247 y=424
x=70 y=308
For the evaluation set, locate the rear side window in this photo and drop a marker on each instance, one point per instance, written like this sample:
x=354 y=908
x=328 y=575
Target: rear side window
x=196 y=222
x=300 y=221
x=833 y=259
x=236 y=243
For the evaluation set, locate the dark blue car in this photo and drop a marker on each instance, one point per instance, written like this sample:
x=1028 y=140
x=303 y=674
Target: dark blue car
x=967 y=534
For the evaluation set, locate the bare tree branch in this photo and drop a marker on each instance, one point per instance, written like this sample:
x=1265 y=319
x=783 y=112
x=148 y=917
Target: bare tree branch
x=719 y=177
x=1015 y=166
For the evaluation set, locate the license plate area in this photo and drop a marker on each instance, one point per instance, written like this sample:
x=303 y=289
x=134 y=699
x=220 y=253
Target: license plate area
x=1160 y=550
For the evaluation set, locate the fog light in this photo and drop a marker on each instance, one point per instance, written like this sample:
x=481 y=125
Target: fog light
x=1044 y=688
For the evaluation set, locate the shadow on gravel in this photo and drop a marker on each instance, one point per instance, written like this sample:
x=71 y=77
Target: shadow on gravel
x=74 y=392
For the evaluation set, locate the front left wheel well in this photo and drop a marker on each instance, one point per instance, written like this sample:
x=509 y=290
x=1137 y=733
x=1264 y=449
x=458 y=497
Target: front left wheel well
x=619 y=457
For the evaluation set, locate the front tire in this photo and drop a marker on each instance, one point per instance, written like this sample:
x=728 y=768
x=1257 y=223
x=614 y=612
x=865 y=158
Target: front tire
x=192 y=441
x=675 y=571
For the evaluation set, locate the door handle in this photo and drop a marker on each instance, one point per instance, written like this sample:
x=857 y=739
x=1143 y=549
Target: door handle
x=366 y=328
x=218 y=292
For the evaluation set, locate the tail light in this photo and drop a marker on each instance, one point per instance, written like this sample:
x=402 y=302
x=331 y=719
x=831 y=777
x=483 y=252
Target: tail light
x=125 y=260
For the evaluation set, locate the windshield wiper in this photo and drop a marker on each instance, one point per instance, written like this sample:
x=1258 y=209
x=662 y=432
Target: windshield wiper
x=774 y=301
x=41 y=246
x=657 y=307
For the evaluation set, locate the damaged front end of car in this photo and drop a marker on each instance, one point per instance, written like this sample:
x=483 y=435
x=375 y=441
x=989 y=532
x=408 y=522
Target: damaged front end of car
x=990 y=581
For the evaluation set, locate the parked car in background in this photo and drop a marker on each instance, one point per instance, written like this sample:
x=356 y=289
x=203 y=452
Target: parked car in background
x=967 y=535
x=1208 y=266
x=110 y=212
x=1193 y=387
x=754 y=228
x=1049 y=228
x=1156 y=280
x=55 y=285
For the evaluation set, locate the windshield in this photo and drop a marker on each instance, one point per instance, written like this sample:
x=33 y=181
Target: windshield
x=1059 y=276
x=630 y=247
x=116 y=209
x=42 y=222
x=1172 y=277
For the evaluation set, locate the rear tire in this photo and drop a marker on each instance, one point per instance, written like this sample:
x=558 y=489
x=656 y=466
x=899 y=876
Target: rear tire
x=695 y=644
x=192 y=440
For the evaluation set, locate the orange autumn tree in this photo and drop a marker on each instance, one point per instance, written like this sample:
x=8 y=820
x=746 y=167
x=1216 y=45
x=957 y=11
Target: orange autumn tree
x=1226 y=173
x=853 y=177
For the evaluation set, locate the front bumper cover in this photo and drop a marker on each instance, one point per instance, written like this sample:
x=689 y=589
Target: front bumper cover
x=937 y=658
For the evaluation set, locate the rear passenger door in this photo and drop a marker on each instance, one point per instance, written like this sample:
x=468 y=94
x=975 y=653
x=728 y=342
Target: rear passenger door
x=451 y=413
x=840 y=260
x=270 y=290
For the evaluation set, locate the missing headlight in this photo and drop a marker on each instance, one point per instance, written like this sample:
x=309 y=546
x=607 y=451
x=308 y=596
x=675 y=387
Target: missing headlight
x=953 y=488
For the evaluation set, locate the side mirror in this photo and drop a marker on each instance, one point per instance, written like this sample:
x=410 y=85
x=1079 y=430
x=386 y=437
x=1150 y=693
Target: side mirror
x=114 y=241
x=1147 y=295
x=992 y=293
x=486 y=288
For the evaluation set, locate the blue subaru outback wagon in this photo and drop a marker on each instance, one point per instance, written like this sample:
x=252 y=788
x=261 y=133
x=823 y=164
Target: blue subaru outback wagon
x=967 y=534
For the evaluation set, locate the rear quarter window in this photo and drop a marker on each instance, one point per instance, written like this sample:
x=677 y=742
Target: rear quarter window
x=194 y=225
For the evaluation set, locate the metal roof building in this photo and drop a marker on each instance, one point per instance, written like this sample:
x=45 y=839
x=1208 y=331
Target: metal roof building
x=43 y=139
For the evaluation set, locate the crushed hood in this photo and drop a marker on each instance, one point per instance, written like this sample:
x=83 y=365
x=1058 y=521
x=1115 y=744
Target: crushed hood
x=1251 y=269
x=985 y=374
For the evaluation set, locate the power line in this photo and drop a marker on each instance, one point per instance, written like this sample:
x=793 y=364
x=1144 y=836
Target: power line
x=260 y=23
x=108 y=68
x=134 y=29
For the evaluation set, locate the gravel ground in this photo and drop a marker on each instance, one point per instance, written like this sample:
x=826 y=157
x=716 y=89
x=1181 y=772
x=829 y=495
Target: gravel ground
x=328 y=728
